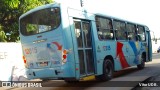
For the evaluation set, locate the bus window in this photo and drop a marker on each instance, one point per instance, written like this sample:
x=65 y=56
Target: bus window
x=40 y=21
x=121 y=33
x=141 y=33
x=131 y=28
x=87 y=34
x=104 y=28
x=78 y=33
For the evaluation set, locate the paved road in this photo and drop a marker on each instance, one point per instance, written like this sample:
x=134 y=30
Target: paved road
x=131 y=74
x=156 y=56
x=154 y=79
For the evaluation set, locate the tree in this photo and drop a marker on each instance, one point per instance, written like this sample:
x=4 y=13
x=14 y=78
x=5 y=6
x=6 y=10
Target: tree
x=2 y=35
x=10 y=11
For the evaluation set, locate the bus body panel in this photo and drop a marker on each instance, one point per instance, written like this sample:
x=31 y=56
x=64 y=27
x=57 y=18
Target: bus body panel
x=127 y=53
x=135 y=52
x=44 y=52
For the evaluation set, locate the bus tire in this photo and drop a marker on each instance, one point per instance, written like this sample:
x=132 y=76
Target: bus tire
x=142 y=65
x=107 y=71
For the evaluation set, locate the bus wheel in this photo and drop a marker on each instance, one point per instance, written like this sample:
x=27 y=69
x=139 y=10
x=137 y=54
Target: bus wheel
x=142 y=65
x=107 y=71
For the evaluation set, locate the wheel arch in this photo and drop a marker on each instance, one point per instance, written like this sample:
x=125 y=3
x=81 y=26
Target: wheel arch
x=110 y=58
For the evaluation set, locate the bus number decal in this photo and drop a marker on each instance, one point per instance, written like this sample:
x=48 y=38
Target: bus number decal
x=106 y=48
x=30 y=50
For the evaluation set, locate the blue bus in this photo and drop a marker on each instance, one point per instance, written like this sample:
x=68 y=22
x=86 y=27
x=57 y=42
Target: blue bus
x=72 y=44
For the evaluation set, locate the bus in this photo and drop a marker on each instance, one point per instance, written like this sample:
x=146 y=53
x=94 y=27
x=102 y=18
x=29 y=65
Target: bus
x=64 y=43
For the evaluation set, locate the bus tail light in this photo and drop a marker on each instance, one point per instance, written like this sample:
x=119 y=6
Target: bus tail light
x=25 y=61
x=65 y=52
x=64 y=56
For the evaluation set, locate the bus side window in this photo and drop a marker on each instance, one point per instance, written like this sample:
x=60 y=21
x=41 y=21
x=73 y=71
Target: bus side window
x=100 y=36
x=139 y=37
x=78 y=33
x=131 y=28
x=104 y=28
x=121 y=33
x=141 y=33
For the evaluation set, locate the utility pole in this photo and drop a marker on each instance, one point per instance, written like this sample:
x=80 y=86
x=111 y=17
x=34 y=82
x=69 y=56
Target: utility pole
x=82 y=3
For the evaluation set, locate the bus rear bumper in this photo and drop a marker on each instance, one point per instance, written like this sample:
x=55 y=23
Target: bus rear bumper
x=44 y=73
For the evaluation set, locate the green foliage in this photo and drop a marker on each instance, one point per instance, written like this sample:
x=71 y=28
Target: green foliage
x=10 y=11
x=2 y=35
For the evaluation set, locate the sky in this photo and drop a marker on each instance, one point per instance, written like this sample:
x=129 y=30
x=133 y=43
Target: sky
x=140 y=11
x=146 y=12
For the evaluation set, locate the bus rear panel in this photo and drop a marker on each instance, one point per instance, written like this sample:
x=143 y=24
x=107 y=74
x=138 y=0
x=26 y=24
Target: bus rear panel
x=43 y=44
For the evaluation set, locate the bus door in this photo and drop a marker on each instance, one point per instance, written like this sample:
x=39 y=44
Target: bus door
x=84 y=46
x=149 y=46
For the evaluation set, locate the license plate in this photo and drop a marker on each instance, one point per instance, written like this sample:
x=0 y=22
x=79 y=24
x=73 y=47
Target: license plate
x=43 y=64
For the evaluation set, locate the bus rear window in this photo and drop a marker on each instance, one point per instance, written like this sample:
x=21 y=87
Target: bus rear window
x=40 y=21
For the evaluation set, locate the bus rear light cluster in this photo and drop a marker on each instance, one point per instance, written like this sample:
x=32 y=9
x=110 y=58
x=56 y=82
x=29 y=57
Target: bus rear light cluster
x=25 y=61
x=64 y=56
x=65 y=52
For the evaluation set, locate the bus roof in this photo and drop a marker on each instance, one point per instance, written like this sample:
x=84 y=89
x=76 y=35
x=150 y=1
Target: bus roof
x=55 y=4
x=39 y=8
